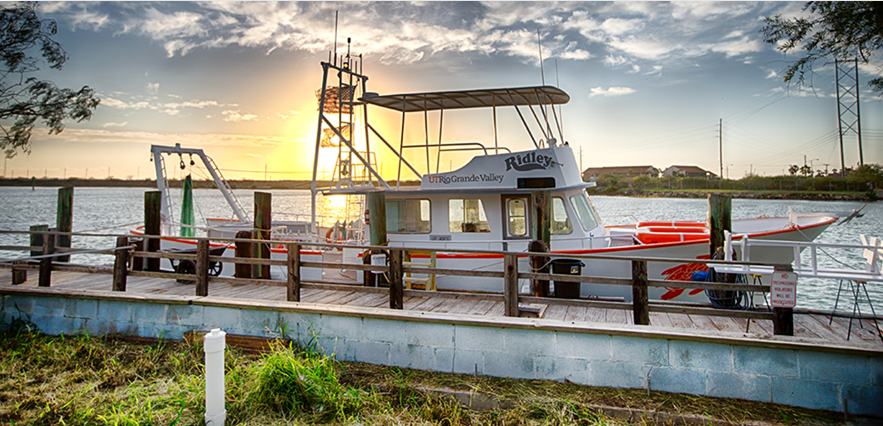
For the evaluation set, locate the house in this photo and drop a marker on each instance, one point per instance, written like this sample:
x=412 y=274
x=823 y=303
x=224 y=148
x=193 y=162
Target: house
x=688 y=171
x=624 y=171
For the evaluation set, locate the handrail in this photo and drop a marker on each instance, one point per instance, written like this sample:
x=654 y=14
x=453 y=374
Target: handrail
x=395 y=269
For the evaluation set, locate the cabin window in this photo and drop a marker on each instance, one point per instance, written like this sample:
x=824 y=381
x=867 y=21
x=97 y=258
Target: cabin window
x=560 y=221
x=517 y=213
x=407 y=216
x=584 y=211
x=467 y=215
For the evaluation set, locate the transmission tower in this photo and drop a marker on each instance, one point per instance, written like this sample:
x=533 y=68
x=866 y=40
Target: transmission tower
x=846 y=74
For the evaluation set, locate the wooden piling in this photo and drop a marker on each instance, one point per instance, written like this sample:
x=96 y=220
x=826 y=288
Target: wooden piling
x=262 y=213
x=19 y=275
x=243 y=251
x=137 y=261
x=202 y=253
x=46 y=262
x=719 y=220
x=37 y=239
x=293 y=292
x=152 y=218
x=541 y=219
x=640 y=302
x=510 y=284
x=64 y=219
x=120 y=265
x=376 y=207
x=396 y=289
x=539 y=264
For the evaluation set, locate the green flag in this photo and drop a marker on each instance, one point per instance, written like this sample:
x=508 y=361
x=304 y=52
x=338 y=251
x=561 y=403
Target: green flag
x=187 y=209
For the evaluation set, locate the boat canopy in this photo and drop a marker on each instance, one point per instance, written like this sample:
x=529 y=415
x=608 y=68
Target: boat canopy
x=483 y=98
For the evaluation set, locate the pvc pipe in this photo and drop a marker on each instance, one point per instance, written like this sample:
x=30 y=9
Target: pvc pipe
x=213 y=345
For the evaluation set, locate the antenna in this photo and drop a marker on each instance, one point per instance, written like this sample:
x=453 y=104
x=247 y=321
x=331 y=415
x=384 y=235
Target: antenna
x=543 y=75
x=561 y=113
x=335 y=37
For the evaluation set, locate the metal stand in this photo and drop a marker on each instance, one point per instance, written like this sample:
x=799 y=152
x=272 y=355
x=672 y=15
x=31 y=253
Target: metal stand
x=856 y=287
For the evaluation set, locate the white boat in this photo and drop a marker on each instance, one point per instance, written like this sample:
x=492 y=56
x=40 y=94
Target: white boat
x=487 y=203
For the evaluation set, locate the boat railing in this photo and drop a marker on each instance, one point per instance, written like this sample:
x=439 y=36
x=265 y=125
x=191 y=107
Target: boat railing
x=807 y=256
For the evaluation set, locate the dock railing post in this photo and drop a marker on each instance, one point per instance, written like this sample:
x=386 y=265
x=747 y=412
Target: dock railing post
x=539 y=264
x=639 y=292
x=510 y=286
x=46 y=262
x=293 y=293
x=262 y=214
x=783 y=318
x=120 y=265
x=202 y=267
x=37 y=239
x=64 y=219
x=396 y=291
x=243 y=251
x=152 y=218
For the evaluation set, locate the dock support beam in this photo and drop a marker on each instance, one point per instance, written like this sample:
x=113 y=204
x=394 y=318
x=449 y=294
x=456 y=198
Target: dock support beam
x=640 y=300
x=37 y=239
x=396 y=289
x=510 y=289
x=152 y=203
x=541 y=219
x=64 y=219
x=720 y=219
x=243 y=251
x=120 y=265
x=262 y=203
x=539 y=264
x=293 y=291
x=46 y=262
x=377 y=217
x=202 y=267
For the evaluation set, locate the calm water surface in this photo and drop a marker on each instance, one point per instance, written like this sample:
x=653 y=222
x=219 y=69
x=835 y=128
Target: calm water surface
x=115 y=210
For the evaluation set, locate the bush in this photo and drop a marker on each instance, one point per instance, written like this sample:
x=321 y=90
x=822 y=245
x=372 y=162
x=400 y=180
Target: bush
x=304 y=382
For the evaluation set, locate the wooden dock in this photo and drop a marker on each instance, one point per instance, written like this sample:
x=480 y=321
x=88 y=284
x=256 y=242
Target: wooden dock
x=808 y=326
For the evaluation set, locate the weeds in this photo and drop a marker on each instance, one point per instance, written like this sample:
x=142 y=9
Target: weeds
x=84 y=380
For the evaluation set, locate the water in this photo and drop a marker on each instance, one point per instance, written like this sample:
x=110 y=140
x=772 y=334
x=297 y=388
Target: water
x=115 y=210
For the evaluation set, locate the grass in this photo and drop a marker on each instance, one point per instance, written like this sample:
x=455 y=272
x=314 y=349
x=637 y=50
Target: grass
x=85 y=380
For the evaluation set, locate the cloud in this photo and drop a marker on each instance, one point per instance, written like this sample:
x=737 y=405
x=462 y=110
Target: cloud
x=110 y=124
x=235 y=116
x=771 y=74
x=152 y=88
x=94 y=136
x=252 y=154
x=610 y=92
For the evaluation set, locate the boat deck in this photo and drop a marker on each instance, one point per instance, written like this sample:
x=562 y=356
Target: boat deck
x=807 y=325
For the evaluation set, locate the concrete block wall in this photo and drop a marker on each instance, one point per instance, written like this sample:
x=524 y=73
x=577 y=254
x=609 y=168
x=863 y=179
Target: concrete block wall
x=785 y=372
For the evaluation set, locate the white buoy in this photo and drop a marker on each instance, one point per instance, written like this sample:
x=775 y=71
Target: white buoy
x=213 y=344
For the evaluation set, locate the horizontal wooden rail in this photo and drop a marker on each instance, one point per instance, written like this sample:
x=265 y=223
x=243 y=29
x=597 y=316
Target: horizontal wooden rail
x=394 y=270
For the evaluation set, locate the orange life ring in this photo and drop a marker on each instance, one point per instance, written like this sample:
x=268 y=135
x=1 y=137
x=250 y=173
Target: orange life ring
x=650 y=236
x=675 y=223
x=330 y=240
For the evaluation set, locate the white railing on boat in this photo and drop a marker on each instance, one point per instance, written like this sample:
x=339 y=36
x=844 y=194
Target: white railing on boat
x=872 y=251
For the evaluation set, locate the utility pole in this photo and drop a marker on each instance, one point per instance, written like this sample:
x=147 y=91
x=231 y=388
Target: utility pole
x=720 y=141
x=848 y=111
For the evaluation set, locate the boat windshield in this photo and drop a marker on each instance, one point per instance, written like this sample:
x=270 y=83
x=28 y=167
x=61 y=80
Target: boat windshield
x=584 y=211
x=467 y=215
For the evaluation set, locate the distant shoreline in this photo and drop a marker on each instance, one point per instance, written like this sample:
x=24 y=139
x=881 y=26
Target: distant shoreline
x=173 y=183
x=305 y=184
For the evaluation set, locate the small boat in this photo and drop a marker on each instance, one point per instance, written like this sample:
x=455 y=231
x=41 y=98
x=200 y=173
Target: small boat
x=487 y=203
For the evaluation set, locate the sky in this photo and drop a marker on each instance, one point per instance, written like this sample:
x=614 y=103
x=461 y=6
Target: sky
x=649 y=83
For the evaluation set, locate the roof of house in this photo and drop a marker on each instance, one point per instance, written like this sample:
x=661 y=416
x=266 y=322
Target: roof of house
x=617 y=170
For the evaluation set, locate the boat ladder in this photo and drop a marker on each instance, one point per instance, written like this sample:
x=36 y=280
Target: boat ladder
x=426 y=282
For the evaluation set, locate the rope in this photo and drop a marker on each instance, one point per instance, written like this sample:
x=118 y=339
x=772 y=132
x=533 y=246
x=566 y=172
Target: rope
x=112 y=227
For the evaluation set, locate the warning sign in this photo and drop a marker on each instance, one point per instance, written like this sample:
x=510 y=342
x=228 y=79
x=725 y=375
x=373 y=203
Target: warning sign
x=783 y=290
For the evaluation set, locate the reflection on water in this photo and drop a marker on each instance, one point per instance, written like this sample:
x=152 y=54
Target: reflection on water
x=115 y=210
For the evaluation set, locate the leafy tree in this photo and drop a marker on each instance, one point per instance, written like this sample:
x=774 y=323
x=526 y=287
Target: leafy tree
x=24 y=99
x=833 y=30
x=793 y=169
x=806 y=171
x=641 y=182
